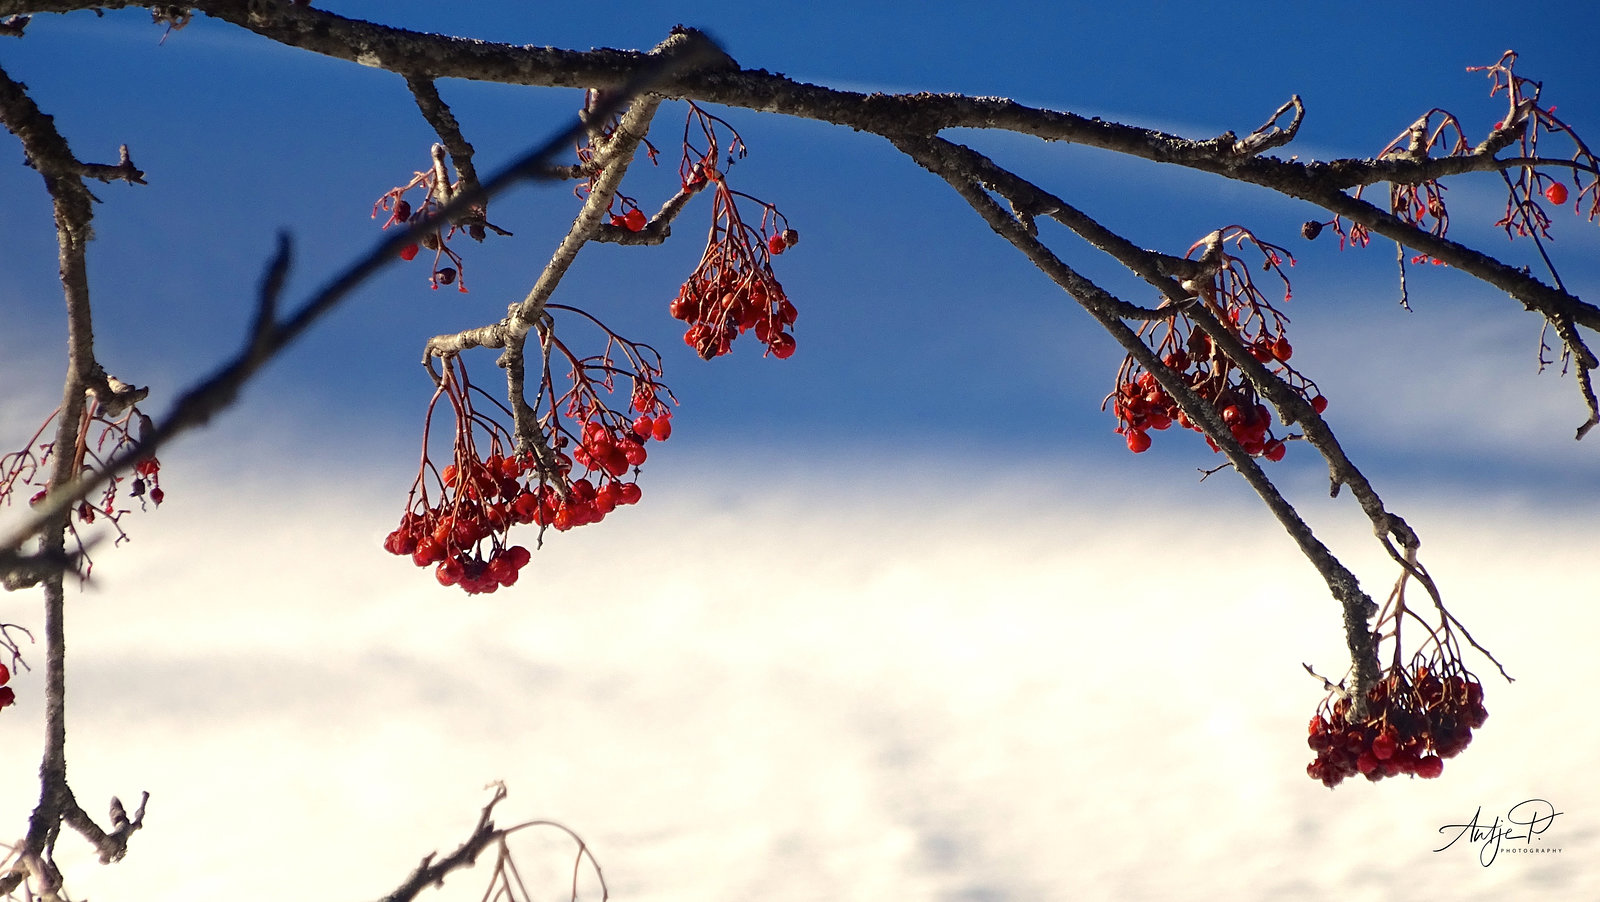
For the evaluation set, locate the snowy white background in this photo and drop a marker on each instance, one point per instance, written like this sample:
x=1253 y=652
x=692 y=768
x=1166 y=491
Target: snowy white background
x=829 y=683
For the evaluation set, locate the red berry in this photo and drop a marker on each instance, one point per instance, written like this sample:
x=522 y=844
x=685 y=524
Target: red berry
x=7 y=697
x=502 y=570
x=397 y=542
x=1430 y=767
x=409 y=252
x=157 y=495
x=776 y=245
x=1138 y=441
x=661 y=430
x=1275 y=450
x=1319 y=403
x=5 y=675
x=643 y=426
x=518 y=555
x=525 y=507
x=1281 y=348
x=1383 y=747
x=683 y=308
x=402 y=211
x=630 y=493
x=449 y=572
x=634 y=221
x=427 y=552
x=782 y=346
x=633 y=452
x=1556 y=193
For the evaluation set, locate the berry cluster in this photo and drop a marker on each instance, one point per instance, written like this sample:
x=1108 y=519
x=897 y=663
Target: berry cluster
x=1142 y=405
x=632 y=218
x=733 y=289
x=100 y=438
x=1438 y=133
x=437 y=190
x=8 y=696
x=1414 y=721
x=458 y=517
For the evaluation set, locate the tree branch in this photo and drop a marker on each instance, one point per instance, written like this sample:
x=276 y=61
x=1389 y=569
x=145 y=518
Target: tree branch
x=953 y=163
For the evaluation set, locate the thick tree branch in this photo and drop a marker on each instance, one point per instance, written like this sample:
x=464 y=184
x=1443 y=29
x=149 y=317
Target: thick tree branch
x=953 y=164
x=613 y=158
x=271 y=335
x=47 y=152
x=921 y=114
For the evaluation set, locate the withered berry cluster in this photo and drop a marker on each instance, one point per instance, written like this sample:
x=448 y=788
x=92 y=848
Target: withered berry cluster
x=1439 y=133
x=1414 y=721
x=437 y=190
x=101 y=438
x=8 y=696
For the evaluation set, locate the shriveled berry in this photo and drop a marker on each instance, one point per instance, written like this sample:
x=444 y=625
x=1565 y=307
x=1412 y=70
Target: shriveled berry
x=445 y=276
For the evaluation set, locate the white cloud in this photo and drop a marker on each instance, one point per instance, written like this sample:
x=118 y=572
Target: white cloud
x=847 y=686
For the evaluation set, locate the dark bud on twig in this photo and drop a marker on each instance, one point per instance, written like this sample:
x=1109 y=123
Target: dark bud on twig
x=1311 y=230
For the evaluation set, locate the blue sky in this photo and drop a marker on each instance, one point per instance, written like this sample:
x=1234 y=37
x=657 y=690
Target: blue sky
x=919 y=329
x=942 y=411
